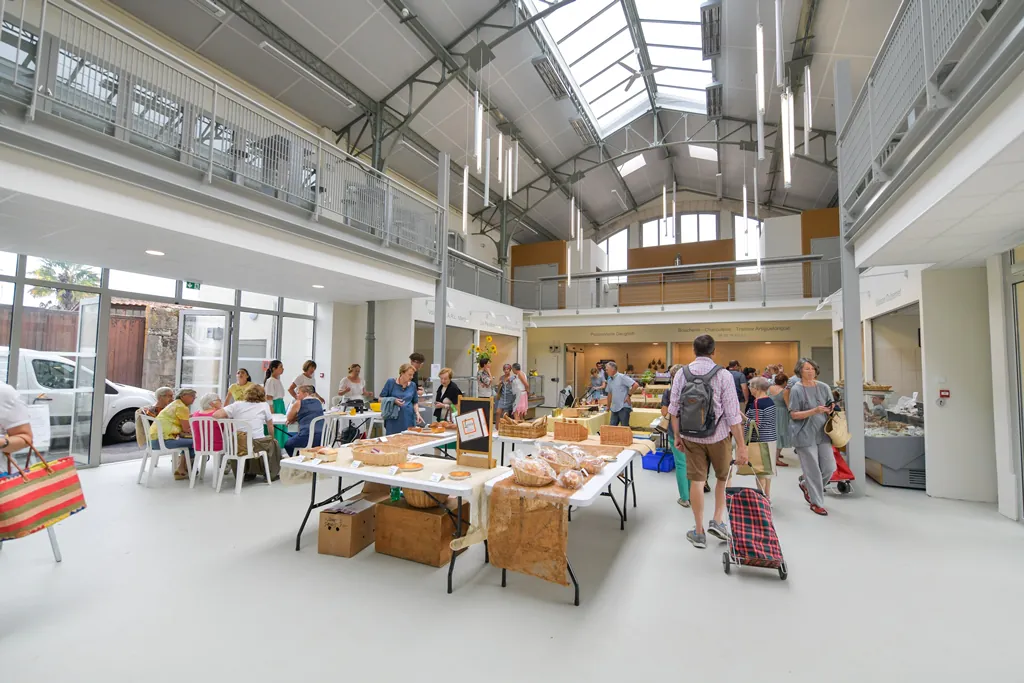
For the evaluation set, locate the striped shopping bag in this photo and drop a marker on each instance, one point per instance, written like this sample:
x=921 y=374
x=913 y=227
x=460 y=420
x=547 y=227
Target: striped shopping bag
x=39 y=496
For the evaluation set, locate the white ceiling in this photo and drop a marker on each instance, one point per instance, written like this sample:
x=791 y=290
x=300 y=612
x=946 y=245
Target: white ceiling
x=364 y=41
x=38 y=227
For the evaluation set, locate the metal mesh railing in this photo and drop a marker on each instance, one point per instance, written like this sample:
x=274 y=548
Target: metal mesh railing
x=909 y=83
x=98 y=74
x=468 y=275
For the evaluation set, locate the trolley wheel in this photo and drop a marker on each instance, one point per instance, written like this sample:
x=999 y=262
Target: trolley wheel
x=725 y=562
x=844 y=487
x=783 y=571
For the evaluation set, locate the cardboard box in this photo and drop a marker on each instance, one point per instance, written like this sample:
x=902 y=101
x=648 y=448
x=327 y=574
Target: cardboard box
x=420 y=535
x=345 y=535
x=370 y=488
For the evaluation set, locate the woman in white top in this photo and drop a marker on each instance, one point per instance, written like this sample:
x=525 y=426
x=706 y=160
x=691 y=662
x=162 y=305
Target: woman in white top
x=15 y=430
x=352 y=386
x=305 y=380
x=274 y=390
x=253 y=409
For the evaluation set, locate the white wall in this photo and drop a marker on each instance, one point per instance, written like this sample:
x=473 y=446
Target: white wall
x=394 y=333
x=1004 y=399
x=959 y=438
x=782 y=236
x=893 y=355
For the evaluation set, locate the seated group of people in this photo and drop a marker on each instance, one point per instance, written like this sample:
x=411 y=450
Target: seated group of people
x=173 y=411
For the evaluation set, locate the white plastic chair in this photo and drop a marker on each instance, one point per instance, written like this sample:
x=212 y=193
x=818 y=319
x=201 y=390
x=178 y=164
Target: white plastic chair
x=151 y=456
x=204 y=433
x=232 y=430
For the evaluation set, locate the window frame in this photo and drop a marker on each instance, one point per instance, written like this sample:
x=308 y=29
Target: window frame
x=604 y=245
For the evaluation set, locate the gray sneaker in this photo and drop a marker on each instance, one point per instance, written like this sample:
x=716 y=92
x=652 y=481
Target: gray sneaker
x=697 y=540
x=718 y=530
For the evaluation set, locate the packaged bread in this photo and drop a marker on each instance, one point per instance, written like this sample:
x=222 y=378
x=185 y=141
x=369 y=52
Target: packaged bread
x=558 y=459
x=592 y=464
x=532 y=471
x=570 y=479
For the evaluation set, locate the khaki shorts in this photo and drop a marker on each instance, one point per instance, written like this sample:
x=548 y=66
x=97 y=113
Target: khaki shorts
x=701 y=456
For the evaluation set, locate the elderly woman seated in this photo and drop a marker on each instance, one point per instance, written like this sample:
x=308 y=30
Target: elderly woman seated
x=209 y=404
x=253 y=409
x=164 y=396
x=177 y=433
x=303 y=412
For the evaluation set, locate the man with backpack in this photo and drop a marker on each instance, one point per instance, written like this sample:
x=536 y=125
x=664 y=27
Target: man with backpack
x=705 y=413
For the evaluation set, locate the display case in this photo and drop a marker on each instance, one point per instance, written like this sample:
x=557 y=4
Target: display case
x=894 y=442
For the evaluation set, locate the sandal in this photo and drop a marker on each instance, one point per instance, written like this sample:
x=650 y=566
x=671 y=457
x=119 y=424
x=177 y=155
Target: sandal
x=684 y=503
x=818 y=510
x=779 y=462
x=807 y=496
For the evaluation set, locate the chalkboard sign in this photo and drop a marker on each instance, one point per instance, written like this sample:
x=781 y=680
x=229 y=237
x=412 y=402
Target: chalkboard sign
x=476 y=452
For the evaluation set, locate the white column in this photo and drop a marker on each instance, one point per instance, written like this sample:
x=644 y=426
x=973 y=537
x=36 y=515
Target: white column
x=1004 y=399
x=323 y=352
x=957 y=356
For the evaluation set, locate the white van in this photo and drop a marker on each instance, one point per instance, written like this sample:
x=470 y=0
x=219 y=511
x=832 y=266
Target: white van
x=50 y=377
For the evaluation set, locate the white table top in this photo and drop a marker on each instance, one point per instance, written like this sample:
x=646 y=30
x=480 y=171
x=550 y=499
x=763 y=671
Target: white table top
x=592 y=490
x=279 y=419
x=367 y=415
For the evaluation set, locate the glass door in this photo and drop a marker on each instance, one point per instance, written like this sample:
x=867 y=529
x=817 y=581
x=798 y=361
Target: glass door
x=203 y=350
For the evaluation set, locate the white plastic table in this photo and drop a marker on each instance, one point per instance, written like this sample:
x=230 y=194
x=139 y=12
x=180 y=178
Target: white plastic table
x=596 y=487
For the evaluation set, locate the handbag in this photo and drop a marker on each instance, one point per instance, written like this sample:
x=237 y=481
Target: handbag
x=758 y=452
x=38 y=496
x=837 y=429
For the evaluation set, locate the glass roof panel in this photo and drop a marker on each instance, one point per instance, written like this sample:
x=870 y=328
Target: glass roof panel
x=602 y=105
x=679 y=58
x=602 y=58
x=565 y=20
x=683 y=79
x=603 y=82
x=625 y=112
x=670 y=10
x=595 y=32
x=671 y=34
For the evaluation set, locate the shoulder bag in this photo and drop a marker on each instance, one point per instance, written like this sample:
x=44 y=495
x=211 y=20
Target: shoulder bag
x=38 y=496
x=759 y=452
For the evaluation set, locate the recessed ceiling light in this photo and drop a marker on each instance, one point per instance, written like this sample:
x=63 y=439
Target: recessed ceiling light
x=767 y=342
x=318 y=286
x=596 y=344
x=154 y=252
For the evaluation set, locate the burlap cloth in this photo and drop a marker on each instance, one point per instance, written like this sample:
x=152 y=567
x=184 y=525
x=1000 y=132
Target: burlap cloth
x=528 y=529
x=592 y=445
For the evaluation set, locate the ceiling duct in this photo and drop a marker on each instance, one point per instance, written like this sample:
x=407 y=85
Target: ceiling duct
x=711 y=29
x=549 y=74
x=713 y=97
x=583 y=130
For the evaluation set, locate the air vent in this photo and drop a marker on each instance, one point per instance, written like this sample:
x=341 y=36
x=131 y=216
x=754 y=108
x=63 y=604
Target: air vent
x=711 y=29
x=713 y=96
x=549 y=74
x=583 y=130
x=917 y=478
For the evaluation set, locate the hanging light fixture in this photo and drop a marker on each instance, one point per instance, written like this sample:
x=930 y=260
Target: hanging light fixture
x=515 y=167
x=746 y=224
x=501 y=155
x=664 y=208
x=808 y=104
x=508 y=173
x=465 y=199
x=478 y=132
x=579 y=226
x=792 y=122
x=674 y=221
x=487 y=173
x=779 y=56
x=572 y=216
x=568 y=266
x=756 y=201
x=786 y=142
x=760 y=67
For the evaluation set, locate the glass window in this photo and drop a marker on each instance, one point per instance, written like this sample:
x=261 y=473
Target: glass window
x=747 y=237
x=698 y=227
x=264 y=301
x=58 y=361
x=8 y=263
x=142 y=284
x=209 y=294
x=296 y=348
x=300 y=307
x=657 y=233
x=64 y=272
x=616 y=247
x=257 y=335
x=6 y=308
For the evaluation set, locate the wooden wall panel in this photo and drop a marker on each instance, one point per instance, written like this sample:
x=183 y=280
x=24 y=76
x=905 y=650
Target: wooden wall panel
x=698 y=287
x=813 y=225
x=536 y=254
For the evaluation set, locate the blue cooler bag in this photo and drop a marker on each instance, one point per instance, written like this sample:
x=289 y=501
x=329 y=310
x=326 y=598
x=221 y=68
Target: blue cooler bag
x=659 y=461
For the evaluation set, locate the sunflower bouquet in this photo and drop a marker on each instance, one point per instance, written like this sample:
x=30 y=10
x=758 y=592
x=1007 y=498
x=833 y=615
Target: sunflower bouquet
x=485 y=351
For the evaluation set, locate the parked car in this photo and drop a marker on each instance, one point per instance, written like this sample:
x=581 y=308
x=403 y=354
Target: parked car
x=50 y=377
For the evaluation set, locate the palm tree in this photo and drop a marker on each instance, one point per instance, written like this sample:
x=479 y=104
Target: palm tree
x=63 y=272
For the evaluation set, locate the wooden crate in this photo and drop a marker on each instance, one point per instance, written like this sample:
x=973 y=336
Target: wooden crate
x=616 y=436
x=570 y=431
x=413 y=534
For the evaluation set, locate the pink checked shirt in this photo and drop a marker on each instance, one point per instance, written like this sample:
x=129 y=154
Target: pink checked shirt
x=724 y=399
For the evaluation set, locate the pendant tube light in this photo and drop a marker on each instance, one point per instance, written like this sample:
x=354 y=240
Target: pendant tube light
x=664 y=207
x=579 y=227
x=572 y=216
x=786 y=159
x=478 y=132
x=760 y=68
x=760 y=136
x=501 y=154
x=792 y=122
x=808 y=104
x=746 y=224
x=779 y=56
x=515 y=167
x=487 y=172
x=465 y=199
x=756 y=202
x=674 y=214
x=508 y=172
x=568 y=266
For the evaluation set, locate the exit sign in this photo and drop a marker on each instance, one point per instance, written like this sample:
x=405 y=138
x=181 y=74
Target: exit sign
x=191 y=285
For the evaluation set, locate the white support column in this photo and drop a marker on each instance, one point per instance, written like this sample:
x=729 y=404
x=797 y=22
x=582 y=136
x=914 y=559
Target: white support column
x=441 y=289
x=1002 y=334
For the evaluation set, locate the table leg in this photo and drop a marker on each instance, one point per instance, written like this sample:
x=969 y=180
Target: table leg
x=575 y=583
x=458 y=534
x=487 y=553
x=632 y=479
x=502 y=453
x=312 y=506
x=621 y=511
x=504 y=576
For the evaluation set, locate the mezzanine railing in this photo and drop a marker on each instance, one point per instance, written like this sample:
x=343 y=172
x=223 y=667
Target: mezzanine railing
x=82 y=67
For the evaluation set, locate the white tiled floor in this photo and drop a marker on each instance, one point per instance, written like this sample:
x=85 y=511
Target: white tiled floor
x=168 y=584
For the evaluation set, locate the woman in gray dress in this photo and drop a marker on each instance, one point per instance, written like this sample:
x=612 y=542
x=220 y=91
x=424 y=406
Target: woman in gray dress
x=777 y=392
x=810 y=404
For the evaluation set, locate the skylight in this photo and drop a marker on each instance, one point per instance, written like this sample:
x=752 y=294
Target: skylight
x=634 y=164
x=705 y=153
x=594 y=47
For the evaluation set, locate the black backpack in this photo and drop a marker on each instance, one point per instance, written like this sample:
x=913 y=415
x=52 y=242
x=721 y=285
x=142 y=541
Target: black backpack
x=349 y=434
x=696 y=405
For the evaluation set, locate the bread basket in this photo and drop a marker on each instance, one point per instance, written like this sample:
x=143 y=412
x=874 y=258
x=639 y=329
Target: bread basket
x=380 y=454
x=616 y=436
x=570 y=431
x=559 y=460
x=526 y=477
x=421 y=499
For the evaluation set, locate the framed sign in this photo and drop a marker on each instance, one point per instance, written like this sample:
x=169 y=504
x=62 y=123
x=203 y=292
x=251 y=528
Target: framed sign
x=474 y=432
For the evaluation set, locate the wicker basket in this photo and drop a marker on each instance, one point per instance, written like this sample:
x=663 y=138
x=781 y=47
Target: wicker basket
x=616 y=436
x=559 y=460
x=526 y=478
x=571 y=412
x=380 y=454
x=570 y=431
x=421 y=499
x=522 y=431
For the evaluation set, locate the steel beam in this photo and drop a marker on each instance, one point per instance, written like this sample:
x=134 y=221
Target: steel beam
x=644 y=57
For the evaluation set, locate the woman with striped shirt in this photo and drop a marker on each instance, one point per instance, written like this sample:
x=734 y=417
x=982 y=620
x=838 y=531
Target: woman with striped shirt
x=762 y=411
